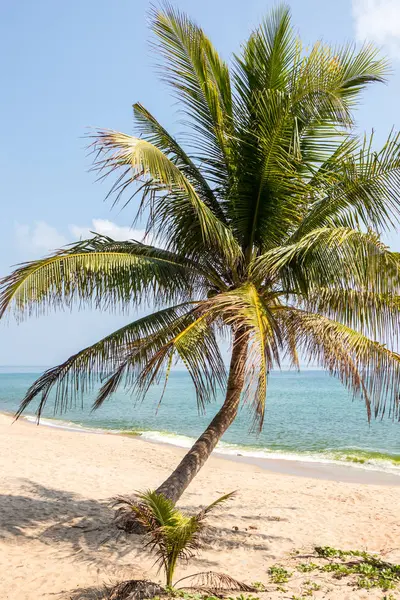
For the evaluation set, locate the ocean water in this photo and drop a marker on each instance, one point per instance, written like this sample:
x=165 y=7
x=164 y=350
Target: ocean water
x=309 y=416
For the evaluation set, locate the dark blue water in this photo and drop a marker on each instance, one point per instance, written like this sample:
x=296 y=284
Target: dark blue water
x=309 y=415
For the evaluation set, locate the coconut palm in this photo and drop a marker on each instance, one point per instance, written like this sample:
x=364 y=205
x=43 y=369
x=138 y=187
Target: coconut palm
x=266 y=228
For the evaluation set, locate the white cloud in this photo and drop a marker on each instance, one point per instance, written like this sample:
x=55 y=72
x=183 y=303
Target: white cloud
x=378 y=21
x=105 y=227
x=39 y=237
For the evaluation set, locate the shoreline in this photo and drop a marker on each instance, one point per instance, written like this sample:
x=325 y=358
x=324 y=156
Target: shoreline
x=310 y=469
x=319 y=471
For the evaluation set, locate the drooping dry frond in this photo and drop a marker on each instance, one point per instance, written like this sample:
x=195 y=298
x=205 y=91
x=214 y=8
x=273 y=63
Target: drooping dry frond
x=135 y=589
x=365 y=366
x=211 y=582
x=245 y=308
x=191 y=339
x=78 y=374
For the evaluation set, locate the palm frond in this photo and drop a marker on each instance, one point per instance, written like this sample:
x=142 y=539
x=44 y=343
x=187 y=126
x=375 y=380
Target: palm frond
x=191 y=339
x=266 y=59
x=326 y=83
x=172 y=535
x=331 y=257
x=216 y=504
x=153 y=132
x=326 y=87
x=79 y=373
x=103 y=273
x=292 y=108
x=211 y=582
x=162 y=509
x=244 y=308
x=264 y=132
x=365 y=366
x=177 y=212
x=200 y=79
x=372 y=313
x=359 y=184
x=134 y=589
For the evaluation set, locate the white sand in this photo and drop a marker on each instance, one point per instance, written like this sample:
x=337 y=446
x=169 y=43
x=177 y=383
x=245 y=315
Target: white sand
x=54 y=491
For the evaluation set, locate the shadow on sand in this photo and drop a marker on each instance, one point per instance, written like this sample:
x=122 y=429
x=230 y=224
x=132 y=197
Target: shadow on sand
x=85 y=528
x=92 y=593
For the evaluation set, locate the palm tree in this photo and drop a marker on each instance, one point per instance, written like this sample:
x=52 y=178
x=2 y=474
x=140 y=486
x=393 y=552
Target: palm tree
x=266 y=228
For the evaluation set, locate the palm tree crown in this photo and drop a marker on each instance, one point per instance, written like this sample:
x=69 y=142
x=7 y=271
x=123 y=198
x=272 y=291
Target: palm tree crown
x=268 y=227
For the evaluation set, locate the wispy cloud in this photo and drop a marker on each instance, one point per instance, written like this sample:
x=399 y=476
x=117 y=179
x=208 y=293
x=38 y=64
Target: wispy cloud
x=41 y=237
x=378 y=21
x=105 y=227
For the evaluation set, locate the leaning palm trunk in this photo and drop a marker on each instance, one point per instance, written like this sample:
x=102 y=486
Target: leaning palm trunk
x=190 y=465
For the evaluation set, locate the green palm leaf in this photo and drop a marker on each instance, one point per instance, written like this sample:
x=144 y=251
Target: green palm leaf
x=175 y=205
x=357 y=184
x=102 y=273
x=153 y=132
x=173 y=535
x=371 y=313
x=331 y=256
x=200 y=80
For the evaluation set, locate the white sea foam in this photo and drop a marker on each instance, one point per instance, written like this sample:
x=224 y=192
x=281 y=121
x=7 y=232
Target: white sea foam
x=70 y=426
x=226 y=449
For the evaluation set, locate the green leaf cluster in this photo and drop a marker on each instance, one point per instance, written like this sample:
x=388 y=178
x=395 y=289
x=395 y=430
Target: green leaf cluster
x=279 y=574
x=172 y=534
x=371 y=570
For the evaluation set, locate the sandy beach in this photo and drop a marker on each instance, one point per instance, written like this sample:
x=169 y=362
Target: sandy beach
x=55 y=518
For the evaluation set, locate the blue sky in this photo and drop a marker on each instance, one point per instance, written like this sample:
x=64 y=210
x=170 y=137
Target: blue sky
x=69 y=65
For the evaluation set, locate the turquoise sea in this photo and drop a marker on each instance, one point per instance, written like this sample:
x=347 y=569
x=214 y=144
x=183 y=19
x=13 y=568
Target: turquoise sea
x=310 y=416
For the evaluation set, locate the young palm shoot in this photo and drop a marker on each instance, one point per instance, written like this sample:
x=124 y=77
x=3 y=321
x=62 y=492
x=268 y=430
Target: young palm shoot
x=173 y=535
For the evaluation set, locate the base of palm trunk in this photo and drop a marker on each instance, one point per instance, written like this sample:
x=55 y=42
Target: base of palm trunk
x=126 y=520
